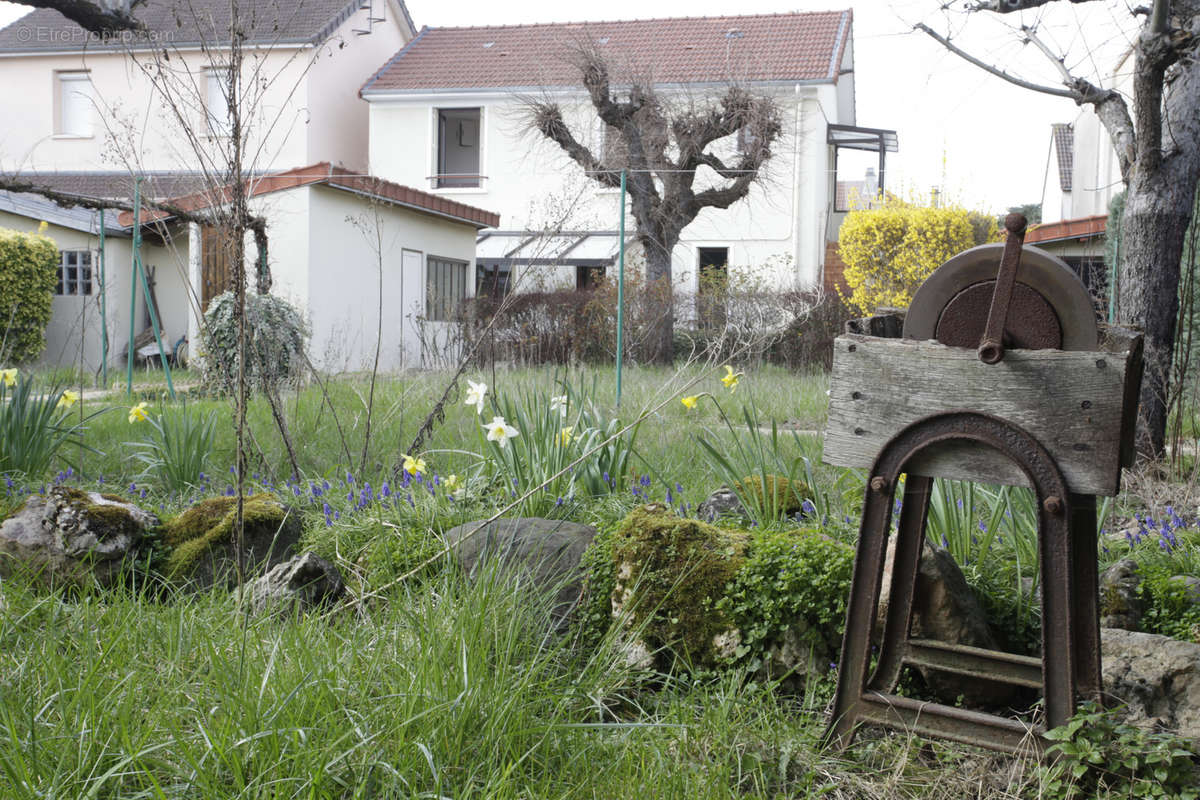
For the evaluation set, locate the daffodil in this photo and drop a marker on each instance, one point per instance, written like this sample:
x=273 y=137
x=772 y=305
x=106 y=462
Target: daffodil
x=475 y=394
x=67 y=399
x=138 y=413
x=559 y=404
x=9 y=376
x=566 y=435
x=731 y=378
x=414 y=466
x=499 y=431
x=451 y=482
x=690 y=401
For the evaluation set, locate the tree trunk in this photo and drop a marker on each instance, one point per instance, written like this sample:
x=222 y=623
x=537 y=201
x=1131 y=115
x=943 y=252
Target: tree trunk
x=659 y=296
x=1157 y=214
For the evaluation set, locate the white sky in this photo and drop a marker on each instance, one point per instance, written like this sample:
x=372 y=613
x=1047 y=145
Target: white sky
x=984 y=141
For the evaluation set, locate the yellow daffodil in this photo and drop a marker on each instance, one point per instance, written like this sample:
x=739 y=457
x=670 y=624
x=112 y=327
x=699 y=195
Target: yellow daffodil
x=138 y=413
x=68 y=399
x=499 y=431
x=731 y=378
x=690 y=402
x=475 y=394
x=414 y=466
x=9 y=376
x=566 y=435
x=451 y=483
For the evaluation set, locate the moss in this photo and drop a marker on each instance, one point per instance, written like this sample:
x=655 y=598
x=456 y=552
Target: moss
x=210 y=522
x=680 y=568
x=103 y=519
x=784 y=496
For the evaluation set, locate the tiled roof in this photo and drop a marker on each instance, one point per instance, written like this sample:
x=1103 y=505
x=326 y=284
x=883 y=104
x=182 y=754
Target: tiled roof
x=775 y=47
x=103 y=185
x=1064 y=151
x=338 y=178
x=188 y=22
x=1079 y=228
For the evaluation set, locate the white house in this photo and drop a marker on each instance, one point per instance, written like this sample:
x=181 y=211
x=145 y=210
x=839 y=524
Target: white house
x=103 y=118
x=448 y=113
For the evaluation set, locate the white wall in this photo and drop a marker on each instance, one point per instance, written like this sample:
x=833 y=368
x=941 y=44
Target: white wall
x=349 y=248
x=533 y=185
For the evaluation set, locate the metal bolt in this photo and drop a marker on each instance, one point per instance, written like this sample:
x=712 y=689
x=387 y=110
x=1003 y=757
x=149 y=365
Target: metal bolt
x=878 y=483
x=1052 y=504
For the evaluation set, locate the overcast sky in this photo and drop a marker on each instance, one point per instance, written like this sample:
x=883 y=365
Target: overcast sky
x=983 y=141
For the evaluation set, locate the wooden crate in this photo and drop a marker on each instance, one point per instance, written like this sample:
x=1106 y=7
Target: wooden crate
x=1080 y=405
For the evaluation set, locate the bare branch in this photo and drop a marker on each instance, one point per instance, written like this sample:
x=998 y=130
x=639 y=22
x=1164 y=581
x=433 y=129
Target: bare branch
x=548 y=119
x=999 y=73
x=103 y=17
x=1009 y=6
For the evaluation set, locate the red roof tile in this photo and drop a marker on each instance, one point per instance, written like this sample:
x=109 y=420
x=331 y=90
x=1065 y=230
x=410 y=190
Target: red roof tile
x=1080 y=228
x=339 y=178
x=775 y=47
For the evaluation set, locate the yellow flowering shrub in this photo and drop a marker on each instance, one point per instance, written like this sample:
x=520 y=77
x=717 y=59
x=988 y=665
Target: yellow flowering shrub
x=891 y=249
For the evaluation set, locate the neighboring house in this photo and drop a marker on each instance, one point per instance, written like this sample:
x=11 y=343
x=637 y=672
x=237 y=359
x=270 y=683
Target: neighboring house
x=340 y=245
x=73 y=102
x=447 y=113
x=342 y=248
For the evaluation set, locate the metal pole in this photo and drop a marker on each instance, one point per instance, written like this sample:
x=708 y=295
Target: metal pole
x=621 y=288
x=103 y=315
x=133 y=282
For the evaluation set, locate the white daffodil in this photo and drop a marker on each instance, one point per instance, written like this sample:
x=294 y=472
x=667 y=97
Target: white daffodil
x=475 y=394
x=559 y=404
x=499 y=431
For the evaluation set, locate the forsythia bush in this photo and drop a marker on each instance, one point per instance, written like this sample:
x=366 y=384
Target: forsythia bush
x=890 y=250
x=28 y=271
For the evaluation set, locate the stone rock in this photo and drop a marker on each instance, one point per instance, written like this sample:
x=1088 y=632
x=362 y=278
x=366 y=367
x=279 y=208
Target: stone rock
x=946 y=609
x=549 y=552
x=724 y=502
x=73 y=537
x=302 y=583
x=1156 y=677
x=1121 y=603
x=204 y=552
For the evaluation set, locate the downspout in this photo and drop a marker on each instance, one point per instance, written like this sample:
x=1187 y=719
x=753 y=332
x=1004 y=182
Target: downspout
x=103 y=312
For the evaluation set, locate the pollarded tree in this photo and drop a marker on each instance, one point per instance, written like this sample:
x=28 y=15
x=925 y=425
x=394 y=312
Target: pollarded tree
x=663 y=143
x=98 y=16
x=1158 y=151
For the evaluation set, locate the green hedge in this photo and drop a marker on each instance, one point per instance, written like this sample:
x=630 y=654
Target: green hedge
x=28 y=272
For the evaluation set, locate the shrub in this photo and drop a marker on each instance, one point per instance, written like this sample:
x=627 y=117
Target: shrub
x=891 y=249
x=791 y=580
x=807 y=343
x=1098 y=755
x=28 y=270
x=276 y=337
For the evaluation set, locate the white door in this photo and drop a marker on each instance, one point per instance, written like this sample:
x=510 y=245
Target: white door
x=412 y=305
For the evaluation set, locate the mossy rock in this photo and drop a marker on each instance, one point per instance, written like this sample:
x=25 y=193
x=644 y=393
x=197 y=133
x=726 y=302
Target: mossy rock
x=201 y=546
x=72 y=537
x=775 y=491
x=670 y=574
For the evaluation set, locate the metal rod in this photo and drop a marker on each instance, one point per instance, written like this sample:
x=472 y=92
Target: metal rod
x=621 y=289
x=103 y=312
x=137 y=244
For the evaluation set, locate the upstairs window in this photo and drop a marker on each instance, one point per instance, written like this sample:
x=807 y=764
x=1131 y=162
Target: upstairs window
x=76 y=112
x=74 y=272
x=216 y=106
x=458 y=148
x=445 y=288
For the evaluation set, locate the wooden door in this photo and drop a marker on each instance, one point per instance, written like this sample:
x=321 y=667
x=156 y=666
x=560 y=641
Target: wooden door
x=214 y=264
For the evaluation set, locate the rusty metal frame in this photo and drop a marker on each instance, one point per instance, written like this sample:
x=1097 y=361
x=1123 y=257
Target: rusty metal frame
x=1067 y=552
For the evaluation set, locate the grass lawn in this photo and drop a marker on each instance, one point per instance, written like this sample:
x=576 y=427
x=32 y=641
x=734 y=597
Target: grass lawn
x=432 y=686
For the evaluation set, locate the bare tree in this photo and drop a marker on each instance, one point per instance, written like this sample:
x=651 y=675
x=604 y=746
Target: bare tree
x=1158 y=151
x=662 y=145
x=100 y=16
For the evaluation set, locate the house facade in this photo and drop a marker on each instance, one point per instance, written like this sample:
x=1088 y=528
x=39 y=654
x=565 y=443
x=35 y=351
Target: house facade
x=449 y=113
x=341 y=248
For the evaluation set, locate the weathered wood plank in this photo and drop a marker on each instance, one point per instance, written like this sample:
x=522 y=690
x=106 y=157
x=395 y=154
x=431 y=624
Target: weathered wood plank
x=1072 y=402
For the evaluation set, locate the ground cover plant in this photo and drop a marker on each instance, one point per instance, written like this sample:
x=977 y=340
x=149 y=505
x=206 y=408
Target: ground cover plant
x=431 y=685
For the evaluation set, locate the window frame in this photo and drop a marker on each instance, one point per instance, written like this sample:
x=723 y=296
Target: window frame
x=437 y=308
x=216 y=126
x=67 y=85
x=469 y=184
x=84 y=281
